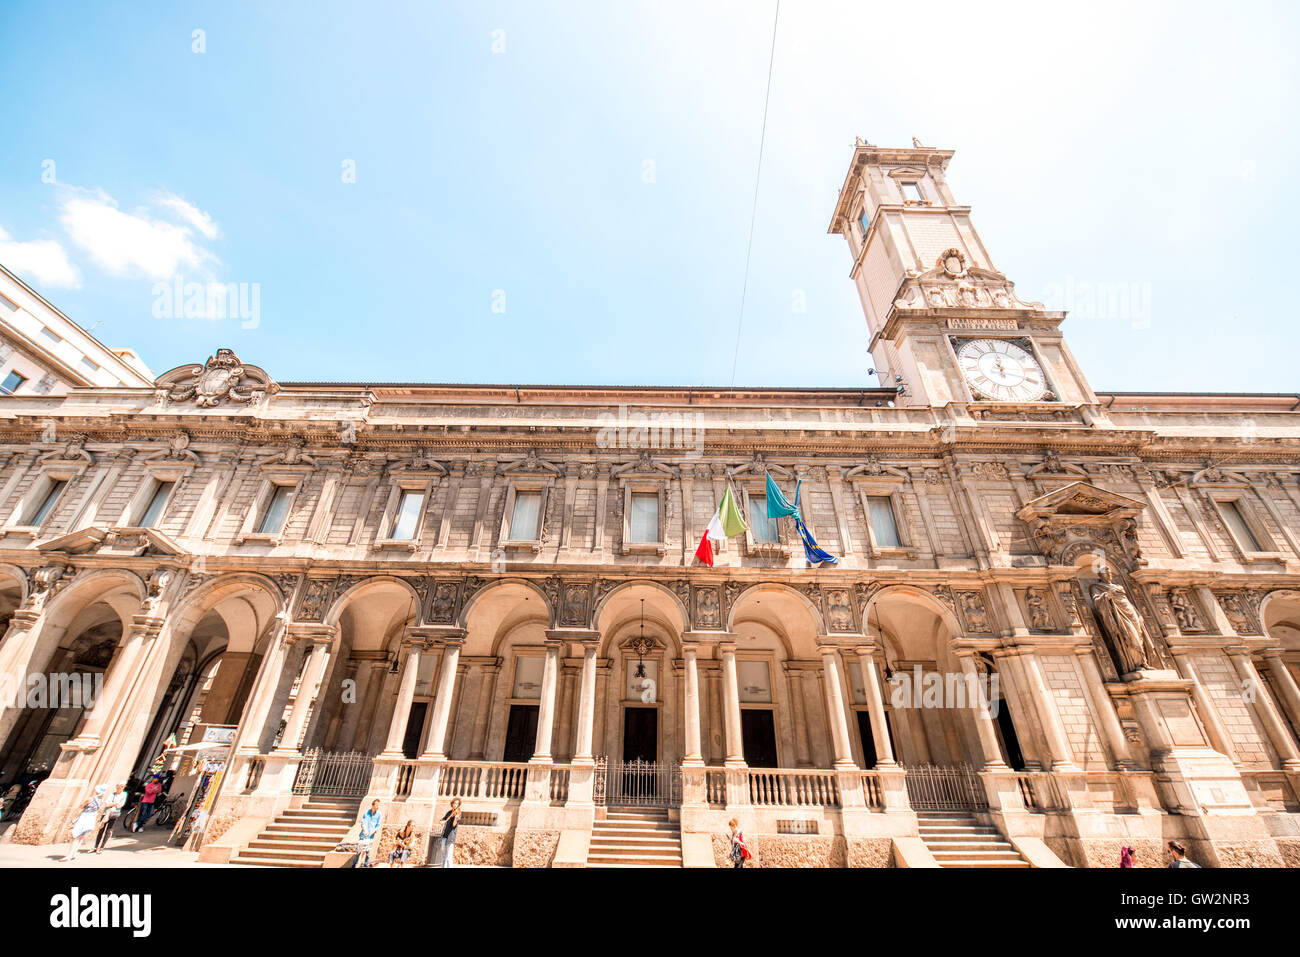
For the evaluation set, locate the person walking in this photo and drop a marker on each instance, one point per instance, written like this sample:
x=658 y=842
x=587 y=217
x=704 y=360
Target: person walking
x=1178 y=855
x=108 y=815
x=402 y=847
x=739 y=849
x=85 y=822
x=148 y=801
x=450 y=821
x=1126 y=856
x=370 y=822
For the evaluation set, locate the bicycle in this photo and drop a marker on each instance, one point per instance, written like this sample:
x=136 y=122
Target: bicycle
x=170 y=809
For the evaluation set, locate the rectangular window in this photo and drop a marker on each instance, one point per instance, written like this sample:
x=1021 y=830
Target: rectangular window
x=1240 y=529
x=524 y=520
x=12 y=383
x=884 y=527
x=46 y=505
x=7 y=305
x=643 y=520
x=528 y=677
x=50 y=336
x=408 y=515
x=157 y=502
x=912 y=192
x=276 y=510
x=762 y=528
x=754 y=681
x=865 y=220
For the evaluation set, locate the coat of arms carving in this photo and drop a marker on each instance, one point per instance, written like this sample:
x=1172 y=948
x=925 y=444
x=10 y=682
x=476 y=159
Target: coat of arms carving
x=223 y=378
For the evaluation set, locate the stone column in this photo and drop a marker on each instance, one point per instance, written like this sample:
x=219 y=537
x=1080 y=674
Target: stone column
x=1285 y=684
x=434 y=749
x=122 y=674
x=835 y=709
x=586 y=705
x=735 y=747
x=405 y=695
x=546 y=706
x=978 y=703
x=366 y=672
x=1278 y=732
x=564 y=716
x=1105 y=707
x=487 y=690
x=263 y=696
x=307 y=689
x=876 y=708
x=795 y=692
x=1057 y=743
x=693 y=757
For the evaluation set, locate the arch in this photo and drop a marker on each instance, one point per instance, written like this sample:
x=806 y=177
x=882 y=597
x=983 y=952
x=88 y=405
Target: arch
x=364 y=588
x=913 y=595
x=1279 y=616
x=13 y=575
x=800 y=643
x=211 y=595
x=468 y=607
x=682 y=624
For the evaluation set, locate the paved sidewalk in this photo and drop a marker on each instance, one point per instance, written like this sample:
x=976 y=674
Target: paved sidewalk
x=146 y=849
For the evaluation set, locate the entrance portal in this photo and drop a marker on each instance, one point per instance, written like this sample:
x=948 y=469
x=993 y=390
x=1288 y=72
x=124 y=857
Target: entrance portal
x=641 y=734
x=521 y=733
x=758 y=736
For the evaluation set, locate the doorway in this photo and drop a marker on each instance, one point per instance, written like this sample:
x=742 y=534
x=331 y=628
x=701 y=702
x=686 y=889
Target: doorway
x=521 y=733
x=869 y=756
x=641 y=734
x=414 y=728
x=758 y=737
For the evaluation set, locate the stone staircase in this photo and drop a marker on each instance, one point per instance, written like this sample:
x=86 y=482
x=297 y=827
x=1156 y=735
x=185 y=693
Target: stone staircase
x=635 y=837
x=301 y=836
x=958 y=839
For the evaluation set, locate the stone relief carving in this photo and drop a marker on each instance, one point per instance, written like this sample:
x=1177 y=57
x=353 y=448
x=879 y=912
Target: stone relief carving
x=1184 y=609
x=708 y=609
x=1039 y=618
x=574 y=609
x=839 y=610
x=315 y=599
x=222 y=378
x=973 y=612
x=1234 y=606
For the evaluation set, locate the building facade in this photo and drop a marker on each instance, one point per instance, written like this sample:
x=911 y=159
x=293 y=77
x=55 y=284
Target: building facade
x=1062 y=620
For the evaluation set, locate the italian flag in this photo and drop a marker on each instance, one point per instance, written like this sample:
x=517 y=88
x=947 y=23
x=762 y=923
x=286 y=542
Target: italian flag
x=727 y=522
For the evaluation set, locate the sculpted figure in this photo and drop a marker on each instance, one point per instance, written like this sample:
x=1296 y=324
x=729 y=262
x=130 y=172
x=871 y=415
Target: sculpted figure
x=1121 y=621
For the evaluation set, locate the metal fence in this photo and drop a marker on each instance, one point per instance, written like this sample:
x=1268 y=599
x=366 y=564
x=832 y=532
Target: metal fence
x=933 y=788
x=334 y=773
x=637 y=784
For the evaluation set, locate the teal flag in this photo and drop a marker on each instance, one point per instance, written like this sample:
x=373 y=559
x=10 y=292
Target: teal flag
x=777 y=504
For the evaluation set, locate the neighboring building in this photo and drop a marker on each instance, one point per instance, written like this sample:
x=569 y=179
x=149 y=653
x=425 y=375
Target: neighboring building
x=412 y=592
x=43 y=352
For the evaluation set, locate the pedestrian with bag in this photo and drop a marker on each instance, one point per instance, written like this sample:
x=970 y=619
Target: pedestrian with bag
x=739 y=849
x=109 y=814
x=85 y=822
x=450 y=821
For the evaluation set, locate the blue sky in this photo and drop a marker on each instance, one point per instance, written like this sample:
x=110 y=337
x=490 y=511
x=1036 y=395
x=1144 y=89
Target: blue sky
x=591 y=166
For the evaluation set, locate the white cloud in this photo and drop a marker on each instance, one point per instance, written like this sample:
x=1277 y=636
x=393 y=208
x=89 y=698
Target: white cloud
x=43 y=260
x=133 y=243
x=190 y=213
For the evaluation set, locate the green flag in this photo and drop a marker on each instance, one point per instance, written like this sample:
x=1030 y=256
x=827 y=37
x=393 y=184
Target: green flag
x=733 y=523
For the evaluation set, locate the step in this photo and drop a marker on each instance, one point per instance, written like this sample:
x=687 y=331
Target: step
x=974 y=864
x=974 y=854
x=630 y=852
x=665 y=829
x=272 y=862
x=606 y=840
x=316 y=814
x=957 y=846
x=633 y=862
x=285 y=832
x=299 y=845
x=280 y=854
x=960 y=833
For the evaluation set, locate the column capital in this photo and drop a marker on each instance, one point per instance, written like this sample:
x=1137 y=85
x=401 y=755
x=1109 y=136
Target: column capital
x=868 y=650
x=708 y=637
x=313 y=632
x=435 y=634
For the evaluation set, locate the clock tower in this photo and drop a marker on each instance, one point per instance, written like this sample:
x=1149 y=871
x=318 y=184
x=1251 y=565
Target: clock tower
x=946 y=327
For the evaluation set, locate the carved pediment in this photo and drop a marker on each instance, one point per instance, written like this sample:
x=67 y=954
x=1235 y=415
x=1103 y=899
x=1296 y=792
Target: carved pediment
x=644 y=465
x=531 y=463
x=1078 y=502
x=115 y=540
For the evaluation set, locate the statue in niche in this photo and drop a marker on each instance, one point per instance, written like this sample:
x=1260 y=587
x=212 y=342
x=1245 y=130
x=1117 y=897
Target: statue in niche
x=1121 y=621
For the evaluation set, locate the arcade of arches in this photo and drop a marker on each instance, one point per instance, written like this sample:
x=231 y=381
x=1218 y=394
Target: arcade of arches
x=763 y=714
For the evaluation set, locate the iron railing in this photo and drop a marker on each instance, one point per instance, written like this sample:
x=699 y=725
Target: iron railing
x=934 y=788
x=637 y=784
x=334 y=773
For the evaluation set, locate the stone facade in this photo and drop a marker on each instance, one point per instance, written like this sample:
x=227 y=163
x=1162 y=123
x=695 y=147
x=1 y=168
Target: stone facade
x=463 y=583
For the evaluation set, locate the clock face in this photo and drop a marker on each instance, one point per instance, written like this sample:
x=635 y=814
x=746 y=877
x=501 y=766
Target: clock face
x=1002 y=370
